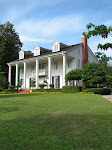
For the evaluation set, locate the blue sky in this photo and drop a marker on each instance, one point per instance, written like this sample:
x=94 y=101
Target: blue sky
x=40 y=22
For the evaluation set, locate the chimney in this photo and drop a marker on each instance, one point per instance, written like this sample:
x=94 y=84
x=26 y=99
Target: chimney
x=84 y=50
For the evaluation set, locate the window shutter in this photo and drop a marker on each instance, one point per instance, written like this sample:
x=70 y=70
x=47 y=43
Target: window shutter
x=58 y=81
x=52 y=80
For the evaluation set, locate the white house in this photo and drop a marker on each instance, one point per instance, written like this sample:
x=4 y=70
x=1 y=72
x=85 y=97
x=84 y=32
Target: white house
x=50 y=65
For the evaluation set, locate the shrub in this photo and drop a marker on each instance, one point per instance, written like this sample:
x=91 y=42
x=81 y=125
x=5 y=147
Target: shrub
x=51 y=85
x=1 y=89
x=42 y=85
x=11 y=87
x=47 y=90
x=72 y=89
x=102 y=91
x=5 y=91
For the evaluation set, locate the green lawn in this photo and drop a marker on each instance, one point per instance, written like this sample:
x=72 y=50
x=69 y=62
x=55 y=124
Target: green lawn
x=55 y=122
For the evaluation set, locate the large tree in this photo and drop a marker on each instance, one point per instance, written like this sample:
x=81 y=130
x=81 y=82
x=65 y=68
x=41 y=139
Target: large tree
x=10 y=44
x=93 y=74
x=101 y=30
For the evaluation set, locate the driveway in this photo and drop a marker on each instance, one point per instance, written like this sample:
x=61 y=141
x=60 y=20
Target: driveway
x=108 y=97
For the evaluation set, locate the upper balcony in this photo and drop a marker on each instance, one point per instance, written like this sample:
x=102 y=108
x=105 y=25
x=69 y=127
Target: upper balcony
x=43 y=72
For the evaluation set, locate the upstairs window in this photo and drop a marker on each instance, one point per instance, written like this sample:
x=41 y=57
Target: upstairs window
x=42 y=66
x=55 y=65
x=32 y=68
x=36 y=51
x=21 y=54
x=79 y=63
x=56 y=46
x=69 y=63
x=78 y=52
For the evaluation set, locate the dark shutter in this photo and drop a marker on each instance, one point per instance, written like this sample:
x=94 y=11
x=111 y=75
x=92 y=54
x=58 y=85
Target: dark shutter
x=53 y=80
x=58 y=81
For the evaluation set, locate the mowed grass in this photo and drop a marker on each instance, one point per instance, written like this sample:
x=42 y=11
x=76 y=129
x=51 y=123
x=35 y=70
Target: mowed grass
x=55 y=122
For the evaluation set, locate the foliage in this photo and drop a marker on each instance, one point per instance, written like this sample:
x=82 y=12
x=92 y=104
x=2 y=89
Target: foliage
x=18 y=85
x=74 y=75
x=3 y=80
x=45 y=82
x=1 y=89
x=93 y=74
x=104 y=61
x=108 y=80
x=11 y=87
x=42 y=85
x=10 y=44
x=51 y=85
x=102 y=91
x=101 y=30
x=46 y=90
x=32 y=83
x=72 y=89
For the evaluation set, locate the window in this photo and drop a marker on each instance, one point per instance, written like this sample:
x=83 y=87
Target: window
x=32 y=68
x=69 y=63
x=79 y=52
x=78 y=63
x=42 y=66
x=55 y=65
x=56 y=46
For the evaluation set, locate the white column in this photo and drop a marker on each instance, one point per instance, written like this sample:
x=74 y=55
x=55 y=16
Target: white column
x=37 y=74
x=16 y=74
x=9 y=75
x=49 y=71
x=64 y=68
x=24 y=75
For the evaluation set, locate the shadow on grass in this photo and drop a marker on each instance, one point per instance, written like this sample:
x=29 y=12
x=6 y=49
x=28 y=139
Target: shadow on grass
x=58 y=132
x=19 y=95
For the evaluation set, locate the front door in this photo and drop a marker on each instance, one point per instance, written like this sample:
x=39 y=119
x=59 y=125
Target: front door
x=56 y=81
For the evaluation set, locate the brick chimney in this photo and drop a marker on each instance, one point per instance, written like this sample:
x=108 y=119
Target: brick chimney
x=84 y=50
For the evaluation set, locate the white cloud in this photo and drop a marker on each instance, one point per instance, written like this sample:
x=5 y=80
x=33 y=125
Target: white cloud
x=30 y=39
x=51 y=27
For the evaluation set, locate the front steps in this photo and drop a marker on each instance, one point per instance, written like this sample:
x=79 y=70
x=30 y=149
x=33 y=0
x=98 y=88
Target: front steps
x=23 y=91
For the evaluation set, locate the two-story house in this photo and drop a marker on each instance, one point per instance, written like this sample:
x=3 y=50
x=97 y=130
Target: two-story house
x=50 y=65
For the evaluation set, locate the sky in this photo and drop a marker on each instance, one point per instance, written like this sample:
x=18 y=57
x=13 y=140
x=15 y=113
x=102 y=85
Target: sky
x=41 y=22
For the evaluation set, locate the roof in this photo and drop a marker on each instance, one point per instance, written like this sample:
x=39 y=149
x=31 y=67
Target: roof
x=45 y=51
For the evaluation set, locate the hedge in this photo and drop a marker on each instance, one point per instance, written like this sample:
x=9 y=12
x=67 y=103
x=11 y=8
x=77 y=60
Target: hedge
x=47 y=90
x=102 y=91
x=5 y=91
x=72 y=89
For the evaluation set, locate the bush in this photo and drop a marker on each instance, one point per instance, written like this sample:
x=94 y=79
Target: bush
x=11 y=87
x=72 y=89
x=47 y=90
x=42 y=85
x=51 y=85
x=1 y=89
x=10 y=90
x=102 y=91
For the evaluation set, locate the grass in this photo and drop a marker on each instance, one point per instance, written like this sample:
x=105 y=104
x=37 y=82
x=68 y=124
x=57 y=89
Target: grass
x=55 y=122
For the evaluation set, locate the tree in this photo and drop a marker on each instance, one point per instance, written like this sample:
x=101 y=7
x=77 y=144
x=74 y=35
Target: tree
x=101 y=30
x=93 y=74
x=3 y=81
x=74 y=75
x=10 y=44
x=108 y=80
x=104 y=61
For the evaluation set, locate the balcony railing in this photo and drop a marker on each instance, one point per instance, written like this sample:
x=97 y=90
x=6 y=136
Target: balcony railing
x=43 y=72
